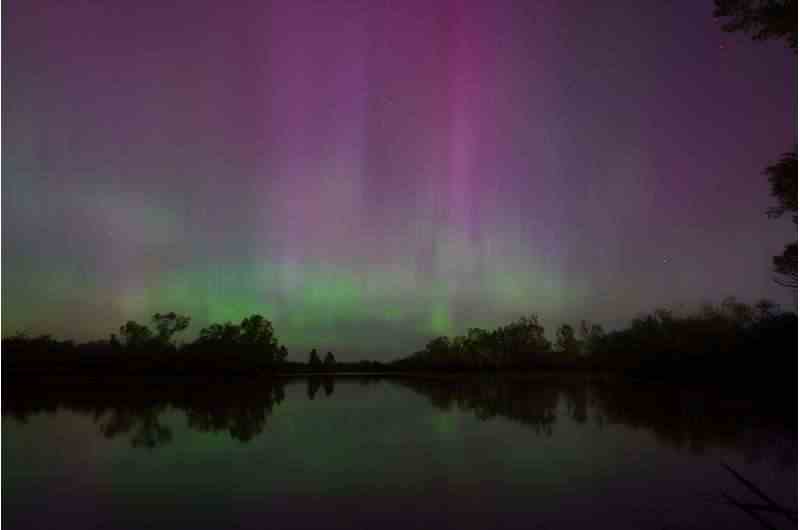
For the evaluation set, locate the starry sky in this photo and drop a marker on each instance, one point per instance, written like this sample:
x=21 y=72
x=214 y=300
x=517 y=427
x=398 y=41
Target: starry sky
x=371 y=174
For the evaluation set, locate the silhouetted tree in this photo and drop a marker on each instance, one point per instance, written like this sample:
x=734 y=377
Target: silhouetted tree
x=283 y=354
x=566 y=341
x=783 y=183
x=252 y=343
x=716 y=340
x=520 y=343
x=766 y=308
x=258 y=339
x=786 y=266
x=168 y=325
x=523 y=339
x=135 y=335
x=763 y=19
x=590 y=336
x=257 y=331
x=584 y=330
x=313 y=359
x=222 y=334
x=330 y=360
x=740 y=313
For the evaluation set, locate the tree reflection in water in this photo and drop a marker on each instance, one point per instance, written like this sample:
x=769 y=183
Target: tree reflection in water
x=242 y=407
x=680 y=418
x=129 y=408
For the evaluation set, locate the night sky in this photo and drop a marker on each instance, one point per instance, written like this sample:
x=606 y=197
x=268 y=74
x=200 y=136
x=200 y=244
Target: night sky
x=370 y=174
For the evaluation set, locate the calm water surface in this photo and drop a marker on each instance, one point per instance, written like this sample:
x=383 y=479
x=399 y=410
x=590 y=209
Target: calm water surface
x=380 y=453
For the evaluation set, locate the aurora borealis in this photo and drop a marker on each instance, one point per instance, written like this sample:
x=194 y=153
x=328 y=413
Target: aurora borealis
x=369 y=174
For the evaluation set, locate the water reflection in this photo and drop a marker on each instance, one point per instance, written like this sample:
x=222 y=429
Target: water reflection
x=142 y=423
x=314 y=383
x=130 y=409
x=679 y=418
x=242 y=408
x=531 y=405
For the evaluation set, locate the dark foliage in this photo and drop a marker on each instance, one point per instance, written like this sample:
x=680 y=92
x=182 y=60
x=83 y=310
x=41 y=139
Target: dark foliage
x=248 y=347
x=168 y=325
x=252 y=344
x=783 y=182
x=330 y=361
x=566 y=341
x=786 y=266
x=719 y=344
x=763 y=19
x=314 y=361
x=725 y=344
x=521 y=344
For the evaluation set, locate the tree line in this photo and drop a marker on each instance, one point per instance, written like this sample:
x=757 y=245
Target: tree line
x=732 y=338
x=250 y=346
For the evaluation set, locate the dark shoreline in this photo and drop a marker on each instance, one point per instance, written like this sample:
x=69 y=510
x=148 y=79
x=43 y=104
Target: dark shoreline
x=50 y=381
